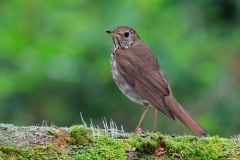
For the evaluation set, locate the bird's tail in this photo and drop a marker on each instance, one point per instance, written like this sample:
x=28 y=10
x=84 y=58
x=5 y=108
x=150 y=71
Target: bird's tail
x=183 y=116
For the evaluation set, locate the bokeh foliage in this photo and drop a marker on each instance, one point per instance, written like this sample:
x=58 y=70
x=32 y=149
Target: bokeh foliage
x=54 y=61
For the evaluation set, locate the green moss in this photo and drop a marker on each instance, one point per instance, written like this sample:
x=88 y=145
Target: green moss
x=81 y=142
x=28 y=152
x=186 y=147
x=147 y=147
x=54 y=133
x=104 y=148
x=209 y=147
x=85 y=146
x=147 y=144
x=80 y=135
x=81 y=145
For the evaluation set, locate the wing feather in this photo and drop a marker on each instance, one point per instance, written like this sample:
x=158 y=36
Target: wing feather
x=146 y=80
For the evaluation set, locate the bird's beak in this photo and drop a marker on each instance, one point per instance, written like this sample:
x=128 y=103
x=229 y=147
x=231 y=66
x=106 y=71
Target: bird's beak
x=113 y=33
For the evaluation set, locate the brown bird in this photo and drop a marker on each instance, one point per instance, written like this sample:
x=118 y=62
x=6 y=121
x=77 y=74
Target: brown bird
x=138 y=75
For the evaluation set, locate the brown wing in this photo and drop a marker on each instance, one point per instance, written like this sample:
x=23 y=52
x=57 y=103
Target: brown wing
x=141 y=70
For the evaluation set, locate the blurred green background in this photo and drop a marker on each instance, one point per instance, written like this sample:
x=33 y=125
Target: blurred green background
x=54 y=61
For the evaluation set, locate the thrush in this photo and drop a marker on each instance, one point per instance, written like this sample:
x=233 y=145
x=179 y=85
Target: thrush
x=138 y=75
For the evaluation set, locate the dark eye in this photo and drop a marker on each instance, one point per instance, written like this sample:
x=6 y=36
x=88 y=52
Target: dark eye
x=126 y=34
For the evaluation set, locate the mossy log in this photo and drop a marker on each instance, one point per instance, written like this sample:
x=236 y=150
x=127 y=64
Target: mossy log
x=81 y=142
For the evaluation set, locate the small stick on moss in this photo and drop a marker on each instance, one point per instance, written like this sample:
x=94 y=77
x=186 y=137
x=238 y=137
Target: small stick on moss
x=91 y=126
x=98 y=133
x=112 y=128
x=123 y=132
x=82 y=119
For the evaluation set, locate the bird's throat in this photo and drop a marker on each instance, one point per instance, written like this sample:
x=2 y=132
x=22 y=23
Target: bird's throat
x=117 y=44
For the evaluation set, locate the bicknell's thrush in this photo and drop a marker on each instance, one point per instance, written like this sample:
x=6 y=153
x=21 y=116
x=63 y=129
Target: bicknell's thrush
x=138 y=75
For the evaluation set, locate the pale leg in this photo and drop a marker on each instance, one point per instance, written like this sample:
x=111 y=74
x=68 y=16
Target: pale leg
x=155 y=120
x=143 y=115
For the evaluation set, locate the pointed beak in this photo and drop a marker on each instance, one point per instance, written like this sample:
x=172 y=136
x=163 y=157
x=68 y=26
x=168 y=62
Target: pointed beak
x=113 y=33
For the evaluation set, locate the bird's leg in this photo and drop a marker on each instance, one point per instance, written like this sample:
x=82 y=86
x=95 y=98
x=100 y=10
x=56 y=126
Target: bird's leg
x=155 y=120
x=143 y=115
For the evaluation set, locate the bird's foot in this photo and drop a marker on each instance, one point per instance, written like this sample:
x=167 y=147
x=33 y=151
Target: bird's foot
x=139 y=130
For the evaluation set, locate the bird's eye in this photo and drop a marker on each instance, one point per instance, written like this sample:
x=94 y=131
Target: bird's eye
x=126 y=34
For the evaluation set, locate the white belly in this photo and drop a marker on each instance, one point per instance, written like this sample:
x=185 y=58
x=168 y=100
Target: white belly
x=125 y=88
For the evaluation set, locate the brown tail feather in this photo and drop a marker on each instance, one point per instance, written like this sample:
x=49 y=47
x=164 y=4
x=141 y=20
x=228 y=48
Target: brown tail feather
x=182 y=115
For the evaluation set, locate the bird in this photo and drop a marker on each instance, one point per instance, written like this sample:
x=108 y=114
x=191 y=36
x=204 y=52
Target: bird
x=138 y=75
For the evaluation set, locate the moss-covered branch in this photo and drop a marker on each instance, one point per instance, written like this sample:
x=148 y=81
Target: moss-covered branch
x=80 y=142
